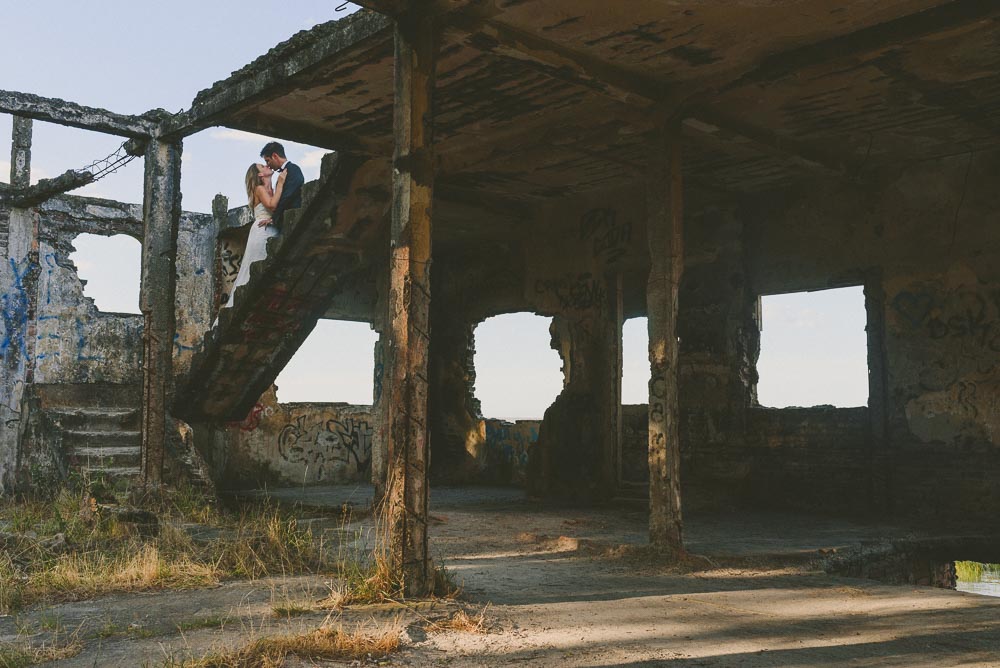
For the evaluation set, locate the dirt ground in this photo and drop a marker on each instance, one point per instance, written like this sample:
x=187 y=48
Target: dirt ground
x=566 y=586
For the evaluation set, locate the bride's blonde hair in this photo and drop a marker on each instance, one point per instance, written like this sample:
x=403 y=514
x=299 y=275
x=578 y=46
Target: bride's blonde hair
x=252 y=181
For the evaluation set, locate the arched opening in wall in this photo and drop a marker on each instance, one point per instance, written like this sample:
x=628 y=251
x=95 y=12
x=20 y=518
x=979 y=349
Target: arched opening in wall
x=110 y=269
x=336 y=363
x=635 y=361
x=518 y=374
x=813 y=349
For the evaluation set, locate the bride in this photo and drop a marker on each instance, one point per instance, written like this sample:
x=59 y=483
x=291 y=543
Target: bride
x=262 y=198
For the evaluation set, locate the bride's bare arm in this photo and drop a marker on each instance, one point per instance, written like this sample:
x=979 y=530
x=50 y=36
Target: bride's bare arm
x=269 y=199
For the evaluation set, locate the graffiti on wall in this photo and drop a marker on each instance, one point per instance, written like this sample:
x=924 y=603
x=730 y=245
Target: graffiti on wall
x=14 y=306
x=580 y=292
x=280 y=314
x=608 y=236
x=956 y=388
x=337 y=448
x=967 y=314
x=230 y=257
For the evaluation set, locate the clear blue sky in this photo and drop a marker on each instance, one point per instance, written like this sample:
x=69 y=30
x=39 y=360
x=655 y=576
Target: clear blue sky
x=130 y=57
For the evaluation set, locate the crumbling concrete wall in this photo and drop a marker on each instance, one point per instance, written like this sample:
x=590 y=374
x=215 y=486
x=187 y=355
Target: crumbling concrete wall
x=55 y=334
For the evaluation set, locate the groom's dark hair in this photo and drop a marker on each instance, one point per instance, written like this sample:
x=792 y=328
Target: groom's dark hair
x=272 y=147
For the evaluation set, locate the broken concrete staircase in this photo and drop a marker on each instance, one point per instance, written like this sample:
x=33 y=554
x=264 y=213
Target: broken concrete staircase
x=320 y=244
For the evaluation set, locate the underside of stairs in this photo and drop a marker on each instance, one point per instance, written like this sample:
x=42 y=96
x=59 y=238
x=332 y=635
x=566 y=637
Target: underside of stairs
x=321 y=244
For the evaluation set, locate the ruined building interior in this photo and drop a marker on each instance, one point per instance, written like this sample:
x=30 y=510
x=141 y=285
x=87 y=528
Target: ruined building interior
x=566 y=158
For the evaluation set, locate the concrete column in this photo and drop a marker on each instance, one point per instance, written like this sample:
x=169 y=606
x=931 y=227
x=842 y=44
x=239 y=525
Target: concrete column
x=20 y=153
x=665 y=210
x=220 y=216
x=161 y=217
x=409 y=306
x=18 y=282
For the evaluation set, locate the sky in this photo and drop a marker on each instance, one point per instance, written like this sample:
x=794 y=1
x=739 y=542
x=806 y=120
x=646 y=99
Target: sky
x=130 y=57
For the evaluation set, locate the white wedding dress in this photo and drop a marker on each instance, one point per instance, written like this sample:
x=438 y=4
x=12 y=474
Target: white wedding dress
x=256 y=248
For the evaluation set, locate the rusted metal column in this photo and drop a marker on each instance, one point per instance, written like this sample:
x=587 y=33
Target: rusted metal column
x=405 y=387
x=161 y=215
x=665 y=208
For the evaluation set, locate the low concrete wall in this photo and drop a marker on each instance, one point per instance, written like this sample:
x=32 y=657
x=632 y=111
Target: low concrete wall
x=299 y=444
x=509 y=446
x=818 y=457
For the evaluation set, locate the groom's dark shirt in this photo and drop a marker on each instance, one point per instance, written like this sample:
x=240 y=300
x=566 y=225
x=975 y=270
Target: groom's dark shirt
x=291 y=194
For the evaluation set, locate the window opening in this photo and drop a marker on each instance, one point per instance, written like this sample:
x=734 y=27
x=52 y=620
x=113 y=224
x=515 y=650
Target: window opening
x=110 y=269
x=518 y=374
x=635 y=361
x=813 y=349
x=336 y=363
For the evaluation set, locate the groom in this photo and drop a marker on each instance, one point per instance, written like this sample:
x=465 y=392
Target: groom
x=291 y=196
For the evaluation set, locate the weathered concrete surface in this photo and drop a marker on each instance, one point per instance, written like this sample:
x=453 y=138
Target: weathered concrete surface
x=74 y=115
x=406 y=413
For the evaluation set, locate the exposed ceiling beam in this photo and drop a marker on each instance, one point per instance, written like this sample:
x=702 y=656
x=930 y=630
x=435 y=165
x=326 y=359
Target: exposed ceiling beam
x=732 y=130
x=874 y=38
x=58 y=111
x=560 y=61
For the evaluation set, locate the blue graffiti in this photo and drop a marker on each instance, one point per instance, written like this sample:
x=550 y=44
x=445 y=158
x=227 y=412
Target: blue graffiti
x=14 y=306
x=50 y=260
x=81 y=342
x=182 y=348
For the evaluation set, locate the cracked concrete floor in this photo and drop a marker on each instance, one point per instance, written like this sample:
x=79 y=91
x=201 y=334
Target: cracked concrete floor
x=561 y=593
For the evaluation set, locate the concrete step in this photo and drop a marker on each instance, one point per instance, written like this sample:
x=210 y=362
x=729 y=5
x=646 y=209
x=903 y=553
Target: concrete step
x=90 y=395
x=95 y=419
x=105 y=458
x=118 y=438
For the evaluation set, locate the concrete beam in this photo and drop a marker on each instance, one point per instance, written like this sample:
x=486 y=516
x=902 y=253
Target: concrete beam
x=273 y=75
x=78 y=116
x=710 y=122
x=46 y=189
x=405 y=414
x=161 y=217
x=665 y=232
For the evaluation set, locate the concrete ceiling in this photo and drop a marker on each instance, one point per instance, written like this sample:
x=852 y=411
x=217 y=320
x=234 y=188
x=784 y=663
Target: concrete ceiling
x=546 y=98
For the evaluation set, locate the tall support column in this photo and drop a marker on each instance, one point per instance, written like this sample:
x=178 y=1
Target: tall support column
x=19 y=281
x=666 y=253
x=409 y=305
x=161 y=217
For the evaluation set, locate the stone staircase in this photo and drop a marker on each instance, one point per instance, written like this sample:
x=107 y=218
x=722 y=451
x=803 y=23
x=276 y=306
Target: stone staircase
x=101 y=442
x=89 y=430
x=327 y=240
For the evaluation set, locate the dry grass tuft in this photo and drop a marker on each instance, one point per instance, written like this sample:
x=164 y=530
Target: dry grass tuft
x=462 y=622
x=20 y=656
x=331 y=642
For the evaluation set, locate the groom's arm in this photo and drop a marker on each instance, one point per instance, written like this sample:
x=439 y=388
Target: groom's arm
x=291 y=193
